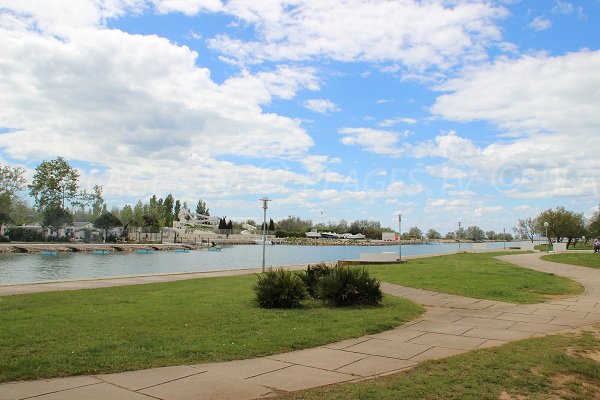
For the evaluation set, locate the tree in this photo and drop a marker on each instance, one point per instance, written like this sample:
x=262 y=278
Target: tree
x=138 y=215
x=55 y=217
x=11 y=181
x=126 y=215
x=271 y=225
x=201 y=208
x=491 y=235
x=168 y=210
x=415 y=233
x=561 y=224
x=294 y=224
x=176 y=210
x=474 y=233
x=54 y=184
x=107 y=220
x=433 y=234
x=526 y=228
x=450 y=236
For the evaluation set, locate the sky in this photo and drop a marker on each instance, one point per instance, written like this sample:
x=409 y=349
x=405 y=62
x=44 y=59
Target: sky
x=482 y=112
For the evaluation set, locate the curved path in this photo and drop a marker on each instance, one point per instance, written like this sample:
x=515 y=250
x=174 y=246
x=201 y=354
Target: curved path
x=451 y=325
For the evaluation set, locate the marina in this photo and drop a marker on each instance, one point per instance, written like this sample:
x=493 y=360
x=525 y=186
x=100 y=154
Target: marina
x=26 y=268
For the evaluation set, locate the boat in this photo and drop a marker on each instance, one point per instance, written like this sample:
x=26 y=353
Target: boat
x=260 y=241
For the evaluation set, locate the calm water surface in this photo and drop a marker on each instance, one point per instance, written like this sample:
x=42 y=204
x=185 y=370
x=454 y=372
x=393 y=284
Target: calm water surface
x=22 y=268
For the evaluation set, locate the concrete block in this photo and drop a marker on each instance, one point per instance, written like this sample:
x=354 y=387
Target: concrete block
x=379 y=257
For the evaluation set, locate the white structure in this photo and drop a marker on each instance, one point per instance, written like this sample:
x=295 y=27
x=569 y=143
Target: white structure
x=559 y=247
x=389 y=236
x=189 y=219
x=525 y=245
x=248 y=229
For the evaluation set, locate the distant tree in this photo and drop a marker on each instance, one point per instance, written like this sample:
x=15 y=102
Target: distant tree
x=526 y=228
x=433 y=234
x=593 y=226
x=474 y=233
x=230 y=225
x=507 y=237
x=168 y=210
x=460 y=233
x=138 y=215
x=176 y=210
x=222 y=223
x=294 y=224
x=201 y=208
x=490 y=235
x=415 y=233
x=450 y=236
x=561 y=224
x=107 y=220
x=126 y=216
x=54 y=184
x=55 y=217
x=11 y=181
x=271 y=225
x=22 y=213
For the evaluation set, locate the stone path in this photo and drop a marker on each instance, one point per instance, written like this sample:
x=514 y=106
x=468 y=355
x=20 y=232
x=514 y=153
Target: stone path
x=451 y=325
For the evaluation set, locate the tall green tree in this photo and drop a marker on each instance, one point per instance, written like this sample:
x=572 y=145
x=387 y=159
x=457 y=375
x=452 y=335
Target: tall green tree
x=415 y=233
x=55 y=217
x=594 y=225
x=474 y=233
x=201 y=208
x=433 y=234
x=55 y=184
x=176 y=210
x=168 y=210
x=126 y=216
x=562 y=224
x=11 y=181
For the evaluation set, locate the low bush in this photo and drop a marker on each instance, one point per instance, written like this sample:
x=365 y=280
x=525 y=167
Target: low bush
x=311 y=277
x=346 y=286
x=278 y=288
x=4 y=239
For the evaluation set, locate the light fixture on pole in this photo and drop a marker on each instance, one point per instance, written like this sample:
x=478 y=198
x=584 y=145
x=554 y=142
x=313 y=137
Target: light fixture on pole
x=399 y=237
x=458 y=234
x=265 y=206
x=546 y=225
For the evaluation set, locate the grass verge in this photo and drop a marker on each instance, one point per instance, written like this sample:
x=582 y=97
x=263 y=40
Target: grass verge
x=478 y=275
x=134 y=327
x=591 y=260
x=552 y=367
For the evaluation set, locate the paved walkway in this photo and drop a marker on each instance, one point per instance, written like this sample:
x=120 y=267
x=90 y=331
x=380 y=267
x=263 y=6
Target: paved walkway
x=451 y=325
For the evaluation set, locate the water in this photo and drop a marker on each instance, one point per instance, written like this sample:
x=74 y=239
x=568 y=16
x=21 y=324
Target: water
x=23 y=268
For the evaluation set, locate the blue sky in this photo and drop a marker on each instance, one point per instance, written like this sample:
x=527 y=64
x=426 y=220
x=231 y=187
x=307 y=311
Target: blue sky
x=478 y=111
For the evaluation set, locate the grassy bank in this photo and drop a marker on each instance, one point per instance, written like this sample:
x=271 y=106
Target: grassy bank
x=478 y=275
x=554 y=367
x=590 y=260
x=134 y=327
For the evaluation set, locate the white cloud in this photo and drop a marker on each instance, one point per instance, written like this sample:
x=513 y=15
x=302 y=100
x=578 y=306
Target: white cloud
x=563 y=7
x=550 y=101
x=540 y=24
x=373 y=140
x=398 y=120
x=419 y=35
x=139 y=106
x=321 y=106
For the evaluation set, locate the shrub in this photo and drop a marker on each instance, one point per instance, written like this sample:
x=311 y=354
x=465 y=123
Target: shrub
x=4 y=239
x=279 y=289
x=346 y=286
x=311 y=277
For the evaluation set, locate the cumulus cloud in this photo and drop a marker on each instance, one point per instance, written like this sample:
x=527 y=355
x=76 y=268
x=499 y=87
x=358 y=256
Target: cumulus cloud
x=373 y=140
x=321 y=106
x=139 y=105
x=397 y=120
x=550 y=102
x=419 y=35
x=540 y=24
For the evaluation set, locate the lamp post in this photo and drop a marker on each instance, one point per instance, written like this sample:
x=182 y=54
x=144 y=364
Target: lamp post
x=399 y=237
x=546 y=224
x=265 y=206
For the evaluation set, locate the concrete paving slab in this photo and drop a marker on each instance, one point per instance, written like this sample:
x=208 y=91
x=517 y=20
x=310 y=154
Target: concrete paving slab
x=136 y=380
x=206 y=386
x=452 y=328
x=26 y=389
x=299 y=377
x=561 y=314
x=586 y=308
x=100 y=391
x=386 y=348
x=592 y=317
x=550 y=306
x=400 y=335
x=374 y=365
x=436 y=353
x=491 y=343
x=499 y=334
x=487 y=313
x=537 y=319
x=486 y=322
x=537 y=328
x=571 y=322
x=450 y=341
x=346 y=343
x=243 y=369
x=320 y=357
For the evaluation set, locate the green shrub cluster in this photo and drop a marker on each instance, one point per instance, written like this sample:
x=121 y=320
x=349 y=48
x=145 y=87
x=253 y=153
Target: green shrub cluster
x=278 y=288
x=336 y=286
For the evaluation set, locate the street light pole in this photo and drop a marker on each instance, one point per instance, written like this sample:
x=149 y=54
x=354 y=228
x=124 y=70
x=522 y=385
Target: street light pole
x=265 y=206
x=546 y=224
x=399 y=237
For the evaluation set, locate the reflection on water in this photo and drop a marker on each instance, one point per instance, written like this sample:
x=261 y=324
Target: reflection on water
x=21 y=268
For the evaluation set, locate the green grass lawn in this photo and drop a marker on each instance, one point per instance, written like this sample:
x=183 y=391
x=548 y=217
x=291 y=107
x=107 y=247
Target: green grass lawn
x=193 y=321
x=477 y=275
x=552 y=367
x=591 y=260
